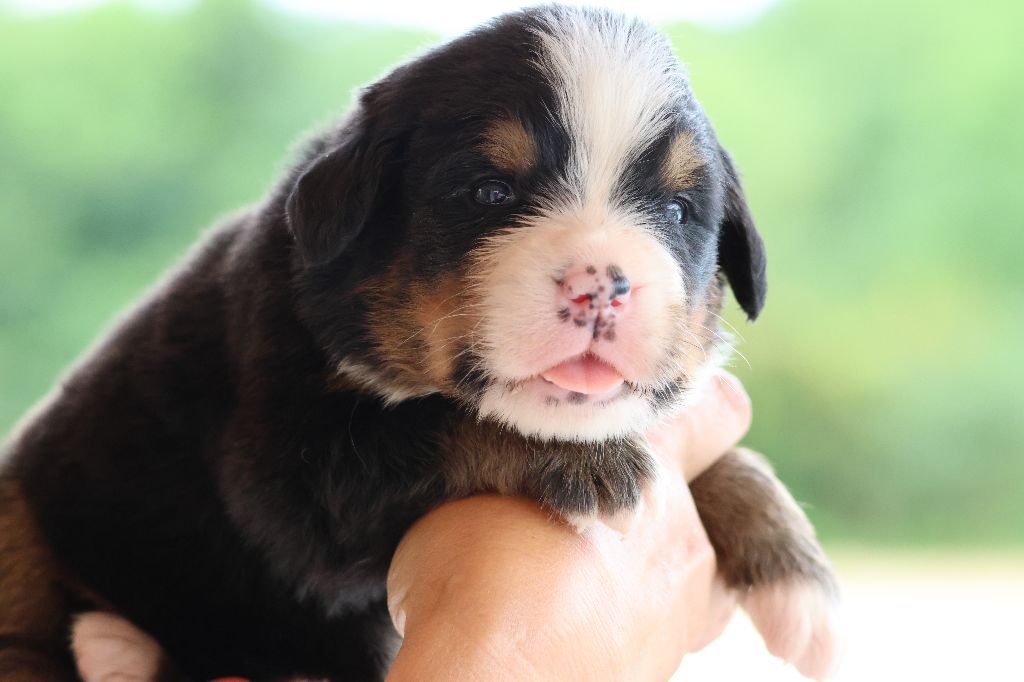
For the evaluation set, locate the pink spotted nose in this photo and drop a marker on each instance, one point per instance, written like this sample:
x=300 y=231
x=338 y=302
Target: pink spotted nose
x=594 y=296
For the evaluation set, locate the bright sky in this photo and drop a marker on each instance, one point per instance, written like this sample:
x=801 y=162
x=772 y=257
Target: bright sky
x=458 y=15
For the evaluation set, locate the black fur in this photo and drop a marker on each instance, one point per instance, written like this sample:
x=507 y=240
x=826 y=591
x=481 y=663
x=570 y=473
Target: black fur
x=204 y=472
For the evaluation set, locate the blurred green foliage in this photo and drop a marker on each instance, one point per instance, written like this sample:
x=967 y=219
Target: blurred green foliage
x=881 y=143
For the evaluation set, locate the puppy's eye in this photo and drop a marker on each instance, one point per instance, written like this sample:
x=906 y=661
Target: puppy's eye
x=494 y=193
x=677 y=211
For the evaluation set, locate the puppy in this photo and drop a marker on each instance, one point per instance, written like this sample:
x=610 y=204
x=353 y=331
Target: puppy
x=500 y=269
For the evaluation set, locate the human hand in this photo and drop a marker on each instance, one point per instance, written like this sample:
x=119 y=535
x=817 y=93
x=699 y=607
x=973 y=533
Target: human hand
x=535 y=600
x=494 y=588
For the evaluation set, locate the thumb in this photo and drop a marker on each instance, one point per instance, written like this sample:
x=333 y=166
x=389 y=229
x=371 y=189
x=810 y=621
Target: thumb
x=717 y=418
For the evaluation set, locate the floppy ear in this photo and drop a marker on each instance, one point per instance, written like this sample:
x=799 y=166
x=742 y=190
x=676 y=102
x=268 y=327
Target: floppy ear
x=334 y=196
x=740 y=249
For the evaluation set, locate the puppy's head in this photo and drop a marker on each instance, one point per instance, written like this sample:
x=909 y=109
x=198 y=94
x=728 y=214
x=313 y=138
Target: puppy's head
x=535 y=220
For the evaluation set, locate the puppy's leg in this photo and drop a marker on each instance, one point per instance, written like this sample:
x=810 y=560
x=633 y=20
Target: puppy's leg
x=767 y=550
x=583 y=481
x=33 y=604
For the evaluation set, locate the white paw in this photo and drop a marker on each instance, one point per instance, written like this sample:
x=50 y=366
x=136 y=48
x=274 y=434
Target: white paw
x=108 y=647
x=799 y=623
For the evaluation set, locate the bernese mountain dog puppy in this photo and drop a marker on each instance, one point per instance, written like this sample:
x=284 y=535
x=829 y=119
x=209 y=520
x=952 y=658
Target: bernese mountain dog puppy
x=501 y=268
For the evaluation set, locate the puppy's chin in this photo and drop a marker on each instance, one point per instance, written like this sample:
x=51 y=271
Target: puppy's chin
x=537 y=409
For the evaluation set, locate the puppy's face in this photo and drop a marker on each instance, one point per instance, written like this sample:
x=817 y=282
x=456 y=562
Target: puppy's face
x=533 y=220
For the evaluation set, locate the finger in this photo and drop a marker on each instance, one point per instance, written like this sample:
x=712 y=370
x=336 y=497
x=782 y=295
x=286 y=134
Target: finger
x=716 y=419
x=721 y=607
x=709 y=604
x=715 y=423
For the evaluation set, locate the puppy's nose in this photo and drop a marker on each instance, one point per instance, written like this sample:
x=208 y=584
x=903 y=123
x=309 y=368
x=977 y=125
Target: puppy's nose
x=593 y=295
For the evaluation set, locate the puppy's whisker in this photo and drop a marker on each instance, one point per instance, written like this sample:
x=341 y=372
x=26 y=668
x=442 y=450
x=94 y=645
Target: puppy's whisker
x=477 y=366
x=465 y=350
x=409 y=338
x=450 y=316
x=732 y=329
x=443 y=301
x=456 y=313
x=732 y=349
x=448 y=343
x=695 y=343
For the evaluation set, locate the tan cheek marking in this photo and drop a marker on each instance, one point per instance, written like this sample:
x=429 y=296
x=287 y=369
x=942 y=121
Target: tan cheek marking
x=446 y=314
x=682 y=162
x=418 y=326
x=391 y=325
x=510 y=146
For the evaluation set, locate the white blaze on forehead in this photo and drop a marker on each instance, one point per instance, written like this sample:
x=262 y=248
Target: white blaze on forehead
x=615 y=82
x=617 y=90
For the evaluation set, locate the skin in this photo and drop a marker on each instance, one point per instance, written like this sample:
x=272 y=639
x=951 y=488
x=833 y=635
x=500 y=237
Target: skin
x=540 y=600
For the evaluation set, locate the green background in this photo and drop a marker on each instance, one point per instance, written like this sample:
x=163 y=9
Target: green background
x=881 y=144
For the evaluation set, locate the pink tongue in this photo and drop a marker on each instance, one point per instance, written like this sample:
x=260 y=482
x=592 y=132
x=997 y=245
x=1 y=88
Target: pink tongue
x=585 y=374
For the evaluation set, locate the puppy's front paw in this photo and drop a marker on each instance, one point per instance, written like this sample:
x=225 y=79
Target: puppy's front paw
x=799 y=623
x=607 y=480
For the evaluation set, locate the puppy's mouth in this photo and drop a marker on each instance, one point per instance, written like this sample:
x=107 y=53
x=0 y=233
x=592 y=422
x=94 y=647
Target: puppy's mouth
x=583 y=379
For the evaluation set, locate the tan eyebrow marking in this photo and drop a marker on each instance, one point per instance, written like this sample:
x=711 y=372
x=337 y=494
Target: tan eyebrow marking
x=507 y=143
x=679 y=170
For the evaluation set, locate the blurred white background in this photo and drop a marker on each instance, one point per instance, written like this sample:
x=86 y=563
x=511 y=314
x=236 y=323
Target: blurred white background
x=916 y=617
